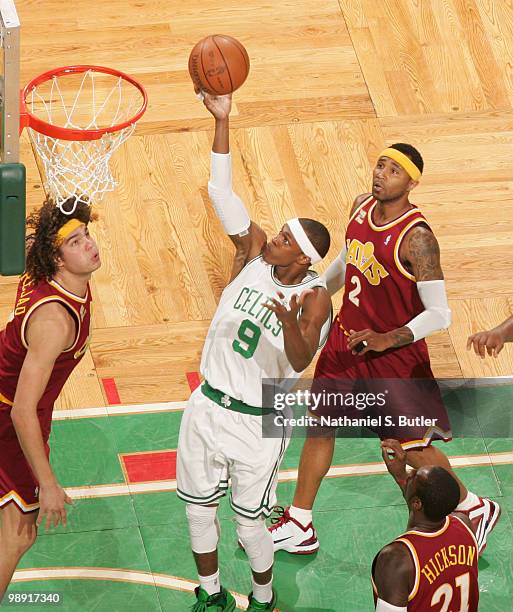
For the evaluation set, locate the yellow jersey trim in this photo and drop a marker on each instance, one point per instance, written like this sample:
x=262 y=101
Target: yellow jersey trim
x=446 y=435
x=397 y=259
x=416 y=563
x=67 y=293
x=50 y=298
x=431 y=534
x=384 y=228
x=364 y=203
x=19 y=501
x=471 y=533
x=4 y=400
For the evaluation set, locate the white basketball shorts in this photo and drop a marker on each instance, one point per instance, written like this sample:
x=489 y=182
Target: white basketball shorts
x=217 y=445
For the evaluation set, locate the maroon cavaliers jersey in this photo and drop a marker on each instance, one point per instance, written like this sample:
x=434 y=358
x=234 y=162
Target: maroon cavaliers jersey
x=13 y=342
x=445 y=568
x=380 y=294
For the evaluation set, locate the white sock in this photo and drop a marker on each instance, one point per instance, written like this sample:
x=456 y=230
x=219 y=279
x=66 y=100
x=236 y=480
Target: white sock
x=210 y=584
x=263 y=592
x=469 y=502
x=302 y=516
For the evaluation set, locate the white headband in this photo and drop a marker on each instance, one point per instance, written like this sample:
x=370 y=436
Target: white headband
x=296 y=229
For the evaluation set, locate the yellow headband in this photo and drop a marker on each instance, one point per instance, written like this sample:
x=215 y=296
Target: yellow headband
x=66 y=229
x=404 y=161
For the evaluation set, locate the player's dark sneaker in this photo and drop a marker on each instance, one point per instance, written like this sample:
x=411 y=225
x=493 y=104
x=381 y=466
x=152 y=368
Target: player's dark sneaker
x=289 y=535
x=484 y=517
x=256 y=606
x=219 y=602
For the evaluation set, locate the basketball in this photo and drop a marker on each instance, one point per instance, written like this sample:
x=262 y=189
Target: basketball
x=218 y=64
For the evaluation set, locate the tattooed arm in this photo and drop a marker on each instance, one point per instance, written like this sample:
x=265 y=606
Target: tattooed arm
x=420 y=254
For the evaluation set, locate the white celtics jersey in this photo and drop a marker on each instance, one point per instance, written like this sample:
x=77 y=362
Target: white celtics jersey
x=244 y=344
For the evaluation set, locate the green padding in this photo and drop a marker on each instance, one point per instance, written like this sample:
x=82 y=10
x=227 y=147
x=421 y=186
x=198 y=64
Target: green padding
x=12 y=219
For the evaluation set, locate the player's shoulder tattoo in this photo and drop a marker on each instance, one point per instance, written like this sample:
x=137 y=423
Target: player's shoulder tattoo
x=422 y=253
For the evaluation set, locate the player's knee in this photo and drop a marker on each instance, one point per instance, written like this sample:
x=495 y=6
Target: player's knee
x=257 y=542
x=18 y=541
x=204 y=527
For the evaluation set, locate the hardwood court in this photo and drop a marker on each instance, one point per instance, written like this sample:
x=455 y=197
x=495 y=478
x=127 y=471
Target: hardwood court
x=330 y=84
x=327 y=90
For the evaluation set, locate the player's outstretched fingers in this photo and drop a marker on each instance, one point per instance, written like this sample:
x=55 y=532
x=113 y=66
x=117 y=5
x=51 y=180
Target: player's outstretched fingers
x=498 y=348
x=470 y=341
x=481 y=346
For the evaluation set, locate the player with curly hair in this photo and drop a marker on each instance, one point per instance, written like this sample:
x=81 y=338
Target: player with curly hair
x=46 y=336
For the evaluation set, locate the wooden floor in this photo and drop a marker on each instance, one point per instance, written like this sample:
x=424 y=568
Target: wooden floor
x=331 y=83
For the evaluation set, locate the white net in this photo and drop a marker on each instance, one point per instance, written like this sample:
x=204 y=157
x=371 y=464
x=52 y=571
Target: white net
x=82 y=101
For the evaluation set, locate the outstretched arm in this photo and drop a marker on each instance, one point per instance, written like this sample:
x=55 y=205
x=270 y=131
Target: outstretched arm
x=491 y=341
x=247 y=237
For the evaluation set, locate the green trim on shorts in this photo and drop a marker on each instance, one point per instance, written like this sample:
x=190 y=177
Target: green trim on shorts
x=192 y=499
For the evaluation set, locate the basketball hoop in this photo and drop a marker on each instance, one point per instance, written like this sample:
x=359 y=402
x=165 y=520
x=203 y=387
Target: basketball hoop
x=77 y=117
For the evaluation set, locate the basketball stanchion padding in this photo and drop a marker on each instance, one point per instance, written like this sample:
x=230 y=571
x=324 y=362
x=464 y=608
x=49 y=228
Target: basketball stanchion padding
x=12 y=219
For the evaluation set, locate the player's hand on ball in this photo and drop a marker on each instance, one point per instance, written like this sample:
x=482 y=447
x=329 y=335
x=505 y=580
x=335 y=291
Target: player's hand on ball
x=491 y=342
x=361 y=342
x=394 y=457
x=219 y=106
x=52 y=500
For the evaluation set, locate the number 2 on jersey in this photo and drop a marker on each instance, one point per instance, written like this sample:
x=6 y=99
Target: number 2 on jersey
x=353 y=294
x=249 y=335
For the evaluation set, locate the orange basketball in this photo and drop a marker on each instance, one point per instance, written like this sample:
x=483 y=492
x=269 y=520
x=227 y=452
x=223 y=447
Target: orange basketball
x=218 y=64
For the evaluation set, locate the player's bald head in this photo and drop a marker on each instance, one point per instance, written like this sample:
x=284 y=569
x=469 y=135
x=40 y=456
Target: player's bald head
x=438 y=491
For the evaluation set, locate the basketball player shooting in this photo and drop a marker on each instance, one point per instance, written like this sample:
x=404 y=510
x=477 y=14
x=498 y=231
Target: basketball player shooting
x=270 y=321
x=45 y=338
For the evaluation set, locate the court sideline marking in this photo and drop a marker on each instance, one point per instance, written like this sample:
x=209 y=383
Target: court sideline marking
x=336 y=471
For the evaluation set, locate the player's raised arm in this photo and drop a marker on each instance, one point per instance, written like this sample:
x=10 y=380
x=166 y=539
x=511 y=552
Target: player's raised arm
x=51 y=331
x=248 y=237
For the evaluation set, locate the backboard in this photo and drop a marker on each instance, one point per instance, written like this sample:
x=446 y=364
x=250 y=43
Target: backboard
x=12 y=173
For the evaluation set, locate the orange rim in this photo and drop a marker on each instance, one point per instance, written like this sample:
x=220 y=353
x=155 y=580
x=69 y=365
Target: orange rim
x=27 y=119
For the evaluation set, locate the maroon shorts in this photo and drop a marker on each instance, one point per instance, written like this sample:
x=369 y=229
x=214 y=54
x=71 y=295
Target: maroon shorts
x=17 y=481
x=410 y=396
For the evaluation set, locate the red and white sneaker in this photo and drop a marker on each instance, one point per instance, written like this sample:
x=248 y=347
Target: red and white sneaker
x=484 y=517
x=289 y=535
